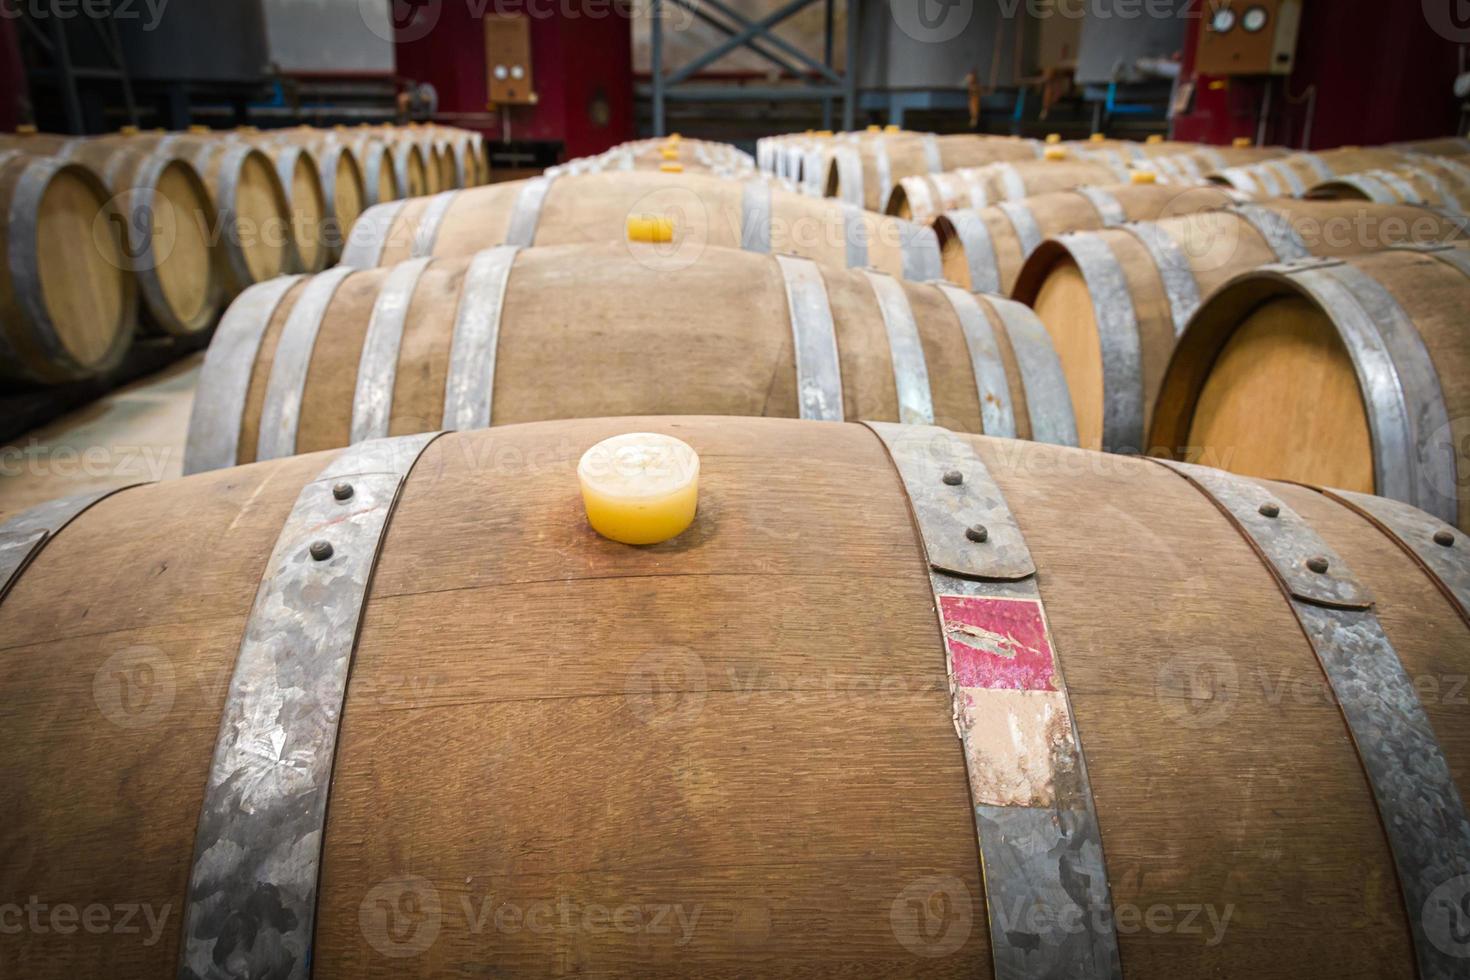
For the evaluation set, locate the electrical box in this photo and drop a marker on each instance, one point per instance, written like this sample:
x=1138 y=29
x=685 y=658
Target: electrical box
x=1248 y=37
x=508 y=59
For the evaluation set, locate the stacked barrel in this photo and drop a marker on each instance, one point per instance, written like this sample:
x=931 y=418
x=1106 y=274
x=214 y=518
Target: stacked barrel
x=179 y=223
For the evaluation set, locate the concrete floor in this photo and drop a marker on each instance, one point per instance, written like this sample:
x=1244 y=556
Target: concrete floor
x=133 y=435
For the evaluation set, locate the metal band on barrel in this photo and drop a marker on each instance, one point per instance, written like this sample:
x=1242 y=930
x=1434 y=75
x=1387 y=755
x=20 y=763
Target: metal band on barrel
x=23 y=536
x=1423 y=816
x=1370 y=187
x=818 y=371
x=280 y=417
x=906 y=351
x=854 y=236
x=997 y=414
x=1012 y=185
x=1287 y=176
x=1175 y=272
x=1028 y=232
x=377 y=368
x=1405 y=190
x=1048 y=399
x=369 y=235
x=1318 y=165
x=1108 y=207
x=427 y=232
x=1413 y=451
x=1117 y=327
x=1276 y=229
x=213 y=441
x=979 y=250
x=917 y=191
x=257 y=852
x=850 y=176
x=525 y=214
x=469 y=389
x=1446 y=197
x=884 y=169
x=1040 y=844
x=920 y=247
x=755 y=216
x=932 y=158
x=1242 y=179
x=1267 y=179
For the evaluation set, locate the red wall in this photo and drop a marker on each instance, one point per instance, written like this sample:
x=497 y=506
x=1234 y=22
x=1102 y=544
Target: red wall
x=577 y=48
x=1382 y=73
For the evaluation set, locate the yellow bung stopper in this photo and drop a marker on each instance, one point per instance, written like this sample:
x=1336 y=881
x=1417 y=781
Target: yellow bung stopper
x=669 y=152
x=640 y=488
x=1053 y=137
x=671 y=168
x=652 y=228
x=890 y=128
x=675 y=137
x=199 y=129
x=824 y=132
x=1143 y=177
x=128 y=130
x=875 y=129
x=1097 y=137
x=1241 y=142
x=25 y=129
x=1153 y=138
x=1055 y=153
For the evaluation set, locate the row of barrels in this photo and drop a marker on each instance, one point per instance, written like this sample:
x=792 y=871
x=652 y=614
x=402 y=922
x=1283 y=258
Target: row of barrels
x=157 y=231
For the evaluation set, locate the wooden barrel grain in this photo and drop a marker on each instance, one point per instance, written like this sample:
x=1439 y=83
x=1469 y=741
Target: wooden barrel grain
x=1353 y=372
x=1439 y=182
x=701 y=210
x=866 y=171
x=68 y=300
x=410 y=168
x=466 y=342
x=983 y=249
x=1199 y=162
x=379 y=176
x=1115 y=300
x=734 y=754
x=168 y=215
x=1291 y=176
x=924 y=198
x=1127 y=153
x=1454 y=146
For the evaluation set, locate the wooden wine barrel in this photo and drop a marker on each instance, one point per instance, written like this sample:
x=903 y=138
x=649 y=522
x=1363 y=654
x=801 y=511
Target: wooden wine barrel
x=397 y=709
x=1127 y=153
x=411 y=170
x=1198 y=163
x=68 y=302
x=461 y=343
x=866 y=172
x=1354 y=372
x=1451 y=146
x=719 y=159
x=167 y=213
x=926 y=198
x=1291 y=176
x=1115 y=300
x=302 y=178
x=983 y=249
x=253 y=225
x=1439 y=182
x=379 y=177
x=343 y=185
x=703 y=210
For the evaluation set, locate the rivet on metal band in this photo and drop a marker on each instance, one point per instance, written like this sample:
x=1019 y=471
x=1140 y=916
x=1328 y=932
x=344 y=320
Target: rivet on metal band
x=1276 y=229
x=1048 y=399
x=377 y=367
x=818 y=371
x=755 y=216
x=920 y=252
x=525 y=214
x=979 y=250
x=854 y=236
x=427 y=232
x=1108 y=207
x=997 y=414
x=280 y=416
x=906 y=351
x=1440 y=549
x=257 y=852
x=469 y=389
x=1175 y=272
x=1040 y=844
x=1423 y=816
x=23 y=536
x=1117 y=326
x=1028 y=232
x=224 y=380
x=369 y=235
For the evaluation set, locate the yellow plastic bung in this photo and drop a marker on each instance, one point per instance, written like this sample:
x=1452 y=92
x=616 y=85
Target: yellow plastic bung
x=669 y=152
x=1143 y=177
x=25 y=129
x=1053 y=137
x=1055 y=153
x=890 y=128
x=198 y=129
x=640 y=488
x=1154 y=138
x=875 y=129
x=1241 y=142
x=675 y=137
x=128 y=130
x=671 y=168
x=1097 y=137
x=653 y=228
x=824 y=132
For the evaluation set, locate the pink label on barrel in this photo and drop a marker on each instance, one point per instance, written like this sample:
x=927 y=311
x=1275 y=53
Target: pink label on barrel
x=998 y=643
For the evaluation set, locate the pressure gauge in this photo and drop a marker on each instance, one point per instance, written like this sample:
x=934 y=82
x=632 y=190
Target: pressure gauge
x=1222 y=20
x=1254 y=19
x=500 y=73
x=517 y=72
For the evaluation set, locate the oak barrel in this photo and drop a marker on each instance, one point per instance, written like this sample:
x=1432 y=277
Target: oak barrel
x=1440 y=182
x=1354 y=372
x=1115 y=300
x=379 y=176
x=1293 y=175
x=68 y=302
x=921 y=198
x=502 y=744
x=1199 y=162
x=865 y=172
x=701 y=210
x=513 y=335
x=983 y=248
